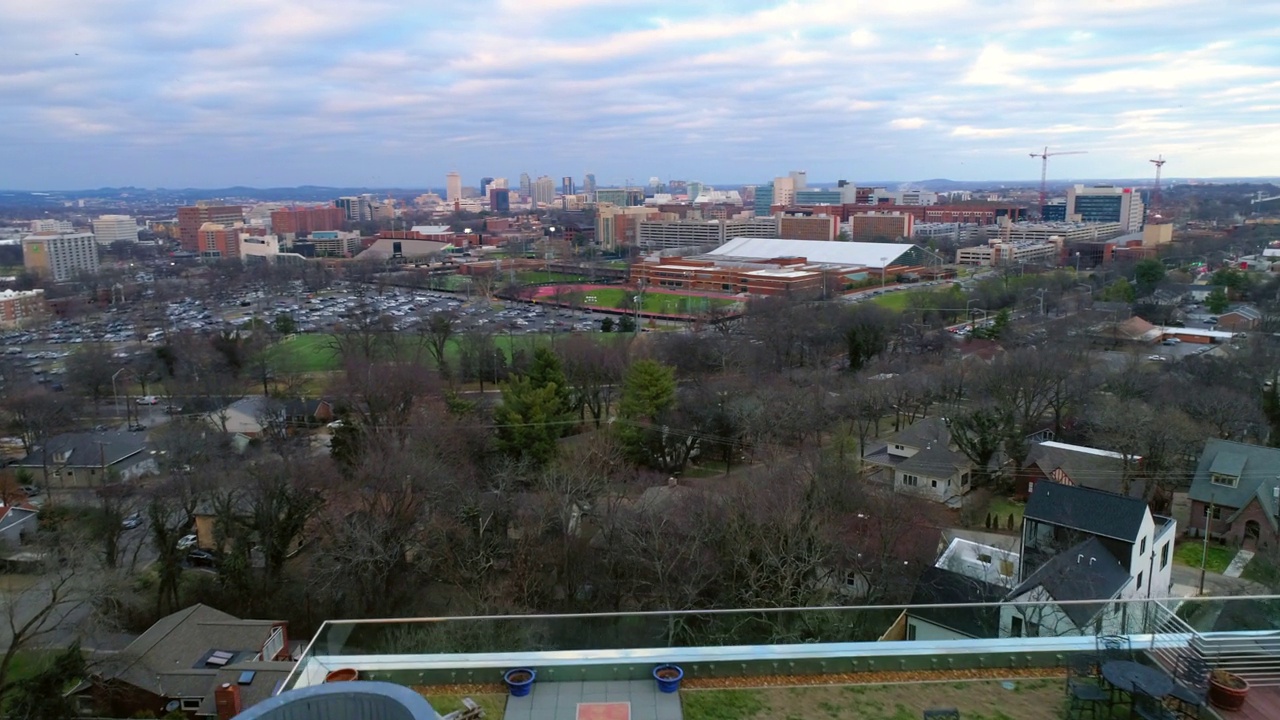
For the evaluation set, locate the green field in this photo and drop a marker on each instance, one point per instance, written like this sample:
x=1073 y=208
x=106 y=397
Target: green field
x=894 y=300
x=1189 y=553
x=542 y=277
x=654 y=302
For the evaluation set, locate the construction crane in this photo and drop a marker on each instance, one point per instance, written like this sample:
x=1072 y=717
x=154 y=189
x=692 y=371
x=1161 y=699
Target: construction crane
x=1044 y=169
x=1261 y=198
x=1155 y=194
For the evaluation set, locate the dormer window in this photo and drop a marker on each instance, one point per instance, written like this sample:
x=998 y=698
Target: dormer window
x=1224 y=480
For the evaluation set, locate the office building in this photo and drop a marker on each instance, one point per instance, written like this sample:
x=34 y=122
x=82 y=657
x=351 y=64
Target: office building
x=566 y=186
x=60 y=256
x=215 y=241
x=300 y=221
x=265 y=249
x=356 y=208
x=452 y=187
x=109 y=229
x=764 y=200
x=907 y=197
x=1068 y=231
x=622 y=197
x=784 y=191
x=880 y=226
x=484 y=185
x=544 y=191
x=526 y=186
x=589 y=186
x=18 y=308
x=335 y=243
x=1105 y=203
x=616 y=225
x=500 y=200
x=191 y=219
x=52 y=226
x=799 y=180
x=669 y=234
x=808 y=227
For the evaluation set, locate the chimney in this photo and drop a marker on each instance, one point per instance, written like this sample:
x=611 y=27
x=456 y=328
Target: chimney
x=227 y=700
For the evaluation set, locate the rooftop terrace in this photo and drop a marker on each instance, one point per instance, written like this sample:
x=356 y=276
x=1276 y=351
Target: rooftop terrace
x=803 y=662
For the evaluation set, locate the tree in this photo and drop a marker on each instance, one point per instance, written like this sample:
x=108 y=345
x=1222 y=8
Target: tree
x=648 y=392
x=529 y=420
x=865 y=341
x=1147 y=275
x=1121 y=290
x=91 y=369
x=606 y=324
x=979 y=435
x=439 y=329
x=284 y=324
x=627 y=324
x=1216 y=301
x=43 y=695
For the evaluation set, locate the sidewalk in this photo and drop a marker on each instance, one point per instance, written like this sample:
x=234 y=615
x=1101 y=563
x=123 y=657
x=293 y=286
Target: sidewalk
x=1236 y=567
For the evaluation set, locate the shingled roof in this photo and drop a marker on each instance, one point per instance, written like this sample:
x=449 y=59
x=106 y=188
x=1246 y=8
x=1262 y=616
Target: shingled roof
x=1096 y=512
x=1086 y=571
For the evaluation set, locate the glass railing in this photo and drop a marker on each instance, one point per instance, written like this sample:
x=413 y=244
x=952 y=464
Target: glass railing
x=824 y=638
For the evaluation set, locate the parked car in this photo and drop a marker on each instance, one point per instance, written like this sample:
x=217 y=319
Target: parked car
x=132 y=521
x=1156 y=358
x=30 y=490
x=137 y=428
x=172 y=409
x=148 y=400
x=202 y=558
x=186 y=542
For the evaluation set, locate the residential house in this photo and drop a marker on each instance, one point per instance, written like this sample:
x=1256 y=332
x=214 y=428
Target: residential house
x=246 y=416
x=1067 y=464
x=1239 y=485
x=17 y=523
x=1137 y=330
x=308 y=413
x=1239 y=319
x=1079 y=544
x=180 y=660
x=923 y=460
x=939 y=586
x=89 y=459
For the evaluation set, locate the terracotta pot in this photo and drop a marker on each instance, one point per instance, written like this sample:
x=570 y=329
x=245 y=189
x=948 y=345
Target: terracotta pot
x=342 y=675
x=1226 y=697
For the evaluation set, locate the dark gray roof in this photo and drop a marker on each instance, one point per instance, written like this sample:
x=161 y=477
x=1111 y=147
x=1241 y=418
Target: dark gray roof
x=1085 y=571
x=1086 y=469
x=87 y=449
x=266 y=675
x=166 y=660
x=931 y=438
x=1245 y=311
x=939 y=586
x=1258 y=470
x=1096 y=512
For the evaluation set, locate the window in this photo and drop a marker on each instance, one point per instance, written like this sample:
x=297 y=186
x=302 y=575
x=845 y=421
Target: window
x=1015 y=630
x=1217 y=512
x=911 y=480
x=1226 y=480
x=964 y=479
x=933 y=483
x=1139 y=581
x=1142 y=547
x=1164 y=555
x=911 y=631
x=898 y=447
x=1033 y=629
x=190 y=703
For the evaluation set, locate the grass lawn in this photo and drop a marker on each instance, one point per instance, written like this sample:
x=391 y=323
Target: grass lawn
x=493 y=705
x=894 y=301
x=1259 y=570
x=308 y=353
x=538 y=277
x=654 y=302
x=1039 y=699
x=1002 y=507
x=1188 y=553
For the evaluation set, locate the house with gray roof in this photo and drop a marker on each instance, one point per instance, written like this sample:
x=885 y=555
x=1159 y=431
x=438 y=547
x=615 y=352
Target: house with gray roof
x=1067 y=464
x=181 y=659
x=1235 y=493
x=89 y=459
x=922 y=460
x=1060 y=588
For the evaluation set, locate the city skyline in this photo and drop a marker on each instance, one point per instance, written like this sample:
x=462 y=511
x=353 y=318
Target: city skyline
x=387 y=94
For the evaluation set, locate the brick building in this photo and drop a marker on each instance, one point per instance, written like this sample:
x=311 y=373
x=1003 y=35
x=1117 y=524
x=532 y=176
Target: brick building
x=880 y=226
x=1235 y=492
x=782 y=277
x=191 y=219
x=812 y=227
x=297 y=221
x=17 y=308
x=215 y=241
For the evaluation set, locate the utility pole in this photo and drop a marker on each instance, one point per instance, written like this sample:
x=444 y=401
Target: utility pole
x=1204 y=550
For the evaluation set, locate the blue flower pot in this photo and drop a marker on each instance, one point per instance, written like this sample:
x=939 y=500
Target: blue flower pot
x=519 y=681
x=668 y=677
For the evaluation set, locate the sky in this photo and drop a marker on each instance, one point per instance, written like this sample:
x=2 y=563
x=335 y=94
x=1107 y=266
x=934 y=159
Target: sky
x=158 y=93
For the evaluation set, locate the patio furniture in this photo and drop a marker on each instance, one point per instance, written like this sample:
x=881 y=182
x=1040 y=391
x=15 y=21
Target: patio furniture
x=1191 y=686
x=1125 y=676
x=1084 y=688
x=942 y=714
x=1082 y=666
x=1114 y=647
x=1147 y=705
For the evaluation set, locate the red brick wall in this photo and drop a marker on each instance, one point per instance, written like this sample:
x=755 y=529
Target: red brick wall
x=1233 y=532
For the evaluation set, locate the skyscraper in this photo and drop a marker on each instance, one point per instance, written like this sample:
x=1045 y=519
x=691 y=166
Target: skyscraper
x=499 y=199
x=484 y=184
x=191 y=218
x=544 y=191
x=526 y=187
x=453 y=187
x=589 y=185
x=763 y=200
x=60 y=256
x=566 y=185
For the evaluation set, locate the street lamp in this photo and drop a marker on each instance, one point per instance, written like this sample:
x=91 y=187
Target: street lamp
x=1077 y=262
x=884 y=271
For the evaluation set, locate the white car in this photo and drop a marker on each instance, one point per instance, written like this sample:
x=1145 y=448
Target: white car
x=148 y=400
x=186 y=542
x=1156 y=358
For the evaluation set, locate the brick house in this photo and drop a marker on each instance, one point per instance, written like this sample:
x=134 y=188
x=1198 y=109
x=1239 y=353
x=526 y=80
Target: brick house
x=1239 y=486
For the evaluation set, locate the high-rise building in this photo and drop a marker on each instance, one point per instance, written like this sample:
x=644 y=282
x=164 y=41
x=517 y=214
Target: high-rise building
x=589 y=185
x=499 y=200
x=566 y=185
x=764 y=200
x=356 y=208
x=693 y=190
x=622 y=197
x=616 y=224
x=108 y=229
x=452 y=187
x=799 y=179
x=60 y=256
x=190 y=219
x=544 y=191
x=53 y=226
x=670 y=234
x=526 y=186
x=484 y=185
x=880 y=226
x=499 y=183
x=215 y=241
x=18 y=308
x=784 y=191
x=1104 y=203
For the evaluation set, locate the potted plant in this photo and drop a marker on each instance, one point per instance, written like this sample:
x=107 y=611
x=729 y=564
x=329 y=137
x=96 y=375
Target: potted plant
x=1227 y=690
x=668 y=677
x=519 y=681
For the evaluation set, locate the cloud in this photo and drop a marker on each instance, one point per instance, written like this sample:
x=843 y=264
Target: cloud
x=155 y=92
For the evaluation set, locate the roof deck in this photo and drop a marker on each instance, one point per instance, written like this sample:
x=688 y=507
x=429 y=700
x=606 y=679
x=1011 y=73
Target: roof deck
x=777 y=662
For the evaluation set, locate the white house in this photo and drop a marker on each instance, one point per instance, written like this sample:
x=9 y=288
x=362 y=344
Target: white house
x=923 y=460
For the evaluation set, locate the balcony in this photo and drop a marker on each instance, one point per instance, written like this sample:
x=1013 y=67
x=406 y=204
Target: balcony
x=805 y=662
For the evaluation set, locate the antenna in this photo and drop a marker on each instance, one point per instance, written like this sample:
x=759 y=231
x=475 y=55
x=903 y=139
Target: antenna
x=1155 y=194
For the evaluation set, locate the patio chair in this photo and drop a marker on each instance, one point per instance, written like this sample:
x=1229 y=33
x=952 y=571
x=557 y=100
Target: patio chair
x=1114 y=647
x=942 y=714
x=1190 y=687
x=1148 y=707
x=1087 y=700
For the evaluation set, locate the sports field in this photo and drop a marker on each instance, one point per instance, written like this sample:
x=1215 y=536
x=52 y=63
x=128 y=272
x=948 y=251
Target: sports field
x=654 y=301
x=894 y=300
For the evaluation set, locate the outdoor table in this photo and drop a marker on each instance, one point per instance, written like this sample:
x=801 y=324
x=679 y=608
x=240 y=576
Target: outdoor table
x=1126 y=675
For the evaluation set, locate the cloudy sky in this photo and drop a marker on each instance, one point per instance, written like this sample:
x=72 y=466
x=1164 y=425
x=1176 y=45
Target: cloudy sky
x=206 y=93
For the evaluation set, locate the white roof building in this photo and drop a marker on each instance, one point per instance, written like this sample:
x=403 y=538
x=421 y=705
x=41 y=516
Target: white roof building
x=872 y=255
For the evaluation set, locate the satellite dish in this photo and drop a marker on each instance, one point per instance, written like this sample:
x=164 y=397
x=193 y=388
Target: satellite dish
x=172 y=706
